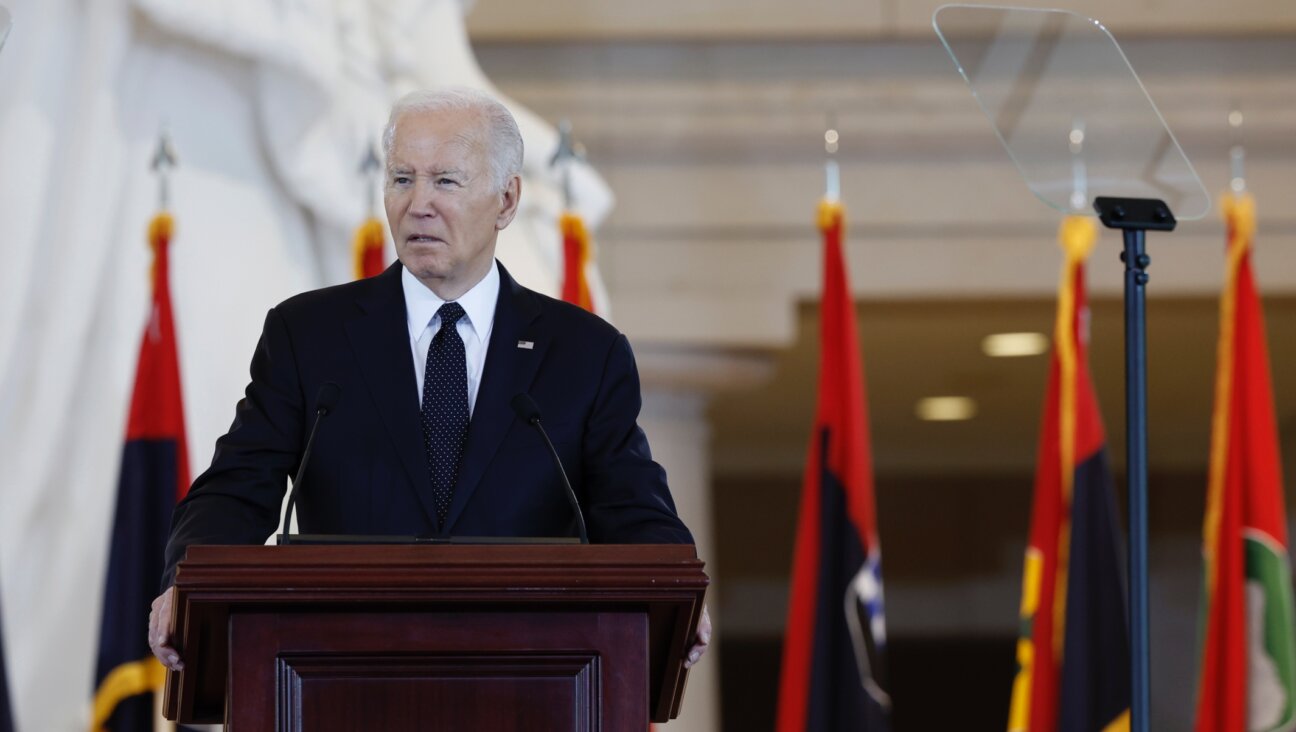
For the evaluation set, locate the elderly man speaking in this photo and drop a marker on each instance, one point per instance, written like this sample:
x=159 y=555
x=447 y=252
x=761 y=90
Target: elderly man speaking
x=421 y=437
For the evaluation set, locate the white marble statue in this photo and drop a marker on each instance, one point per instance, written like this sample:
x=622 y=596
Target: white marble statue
x=270 y=105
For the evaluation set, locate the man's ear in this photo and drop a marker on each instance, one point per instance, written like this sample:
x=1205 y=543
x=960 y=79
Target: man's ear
x=509 y=198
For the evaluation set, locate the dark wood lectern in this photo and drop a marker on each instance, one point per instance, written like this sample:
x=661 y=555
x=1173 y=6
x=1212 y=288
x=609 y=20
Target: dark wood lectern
x=516 y=637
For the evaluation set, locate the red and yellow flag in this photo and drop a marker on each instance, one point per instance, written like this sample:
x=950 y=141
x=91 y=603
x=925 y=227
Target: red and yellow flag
x=1072 y=652
x=1248 y=659
x=367 y=248
x=578 y=255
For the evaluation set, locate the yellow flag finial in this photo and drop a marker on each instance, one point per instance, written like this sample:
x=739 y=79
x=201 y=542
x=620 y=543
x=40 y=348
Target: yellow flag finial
x=1077 y=236
x=1239 y=213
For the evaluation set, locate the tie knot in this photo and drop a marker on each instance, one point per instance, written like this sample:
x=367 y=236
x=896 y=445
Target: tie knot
x=450 y=313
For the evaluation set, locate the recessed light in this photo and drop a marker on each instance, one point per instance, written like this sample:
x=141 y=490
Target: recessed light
x=1010 y=345
x=945 y=408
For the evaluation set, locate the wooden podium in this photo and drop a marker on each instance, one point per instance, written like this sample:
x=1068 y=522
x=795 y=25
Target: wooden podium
x=445 y=637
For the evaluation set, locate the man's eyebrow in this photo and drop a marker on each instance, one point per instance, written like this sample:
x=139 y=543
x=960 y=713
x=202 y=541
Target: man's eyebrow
x=435 y=172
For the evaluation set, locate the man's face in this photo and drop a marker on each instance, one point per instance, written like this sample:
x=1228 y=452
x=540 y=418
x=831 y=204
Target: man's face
x=443 y=208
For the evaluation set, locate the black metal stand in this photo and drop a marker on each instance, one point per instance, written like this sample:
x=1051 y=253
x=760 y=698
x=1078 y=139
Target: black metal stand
x=1134 y=217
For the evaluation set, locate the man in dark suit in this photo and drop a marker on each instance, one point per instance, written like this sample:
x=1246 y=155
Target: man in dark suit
x=426 y=358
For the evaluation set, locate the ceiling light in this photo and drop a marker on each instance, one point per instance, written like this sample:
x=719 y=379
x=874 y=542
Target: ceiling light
x=945 y=408
x=1007 y=345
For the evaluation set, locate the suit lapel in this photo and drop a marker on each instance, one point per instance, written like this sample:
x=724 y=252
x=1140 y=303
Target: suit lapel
x=508 y=370
x=380 y=338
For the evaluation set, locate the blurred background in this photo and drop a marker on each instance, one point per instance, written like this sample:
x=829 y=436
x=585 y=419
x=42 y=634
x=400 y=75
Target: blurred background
x=702 y=127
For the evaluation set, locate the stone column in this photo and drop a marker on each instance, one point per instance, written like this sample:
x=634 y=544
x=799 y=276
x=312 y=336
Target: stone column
x=678 y=384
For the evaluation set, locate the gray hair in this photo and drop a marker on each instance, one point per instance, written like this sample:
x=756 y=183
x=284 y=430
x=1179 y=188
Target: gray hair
x=504 y=140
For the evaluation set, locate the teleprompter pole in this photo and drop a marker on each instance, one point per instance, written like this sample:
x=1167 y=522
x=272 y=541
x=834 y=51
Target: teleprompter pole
x=1134 y=217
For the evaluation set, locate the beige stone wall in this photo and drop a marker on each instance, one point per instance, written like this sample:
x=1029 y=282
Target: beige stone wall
x=871 y=19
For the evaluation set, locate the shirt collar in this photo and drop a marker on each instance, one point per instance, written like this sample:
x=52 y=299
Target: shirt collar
x=421 y=304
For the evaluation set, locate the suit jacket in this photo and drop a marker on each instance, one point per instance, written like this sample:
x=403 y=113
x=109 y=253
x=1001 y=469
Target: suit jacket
x=368 y=472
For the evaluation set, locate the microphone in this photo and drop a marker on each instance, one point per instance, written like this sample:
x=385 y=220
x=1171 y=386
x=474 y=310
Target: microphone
x=528 y=412
x=324 y=400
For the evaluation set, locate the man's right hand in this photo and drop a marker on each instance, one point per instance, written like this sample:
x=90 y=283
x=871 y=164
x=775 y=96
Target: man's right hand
x=160 y=631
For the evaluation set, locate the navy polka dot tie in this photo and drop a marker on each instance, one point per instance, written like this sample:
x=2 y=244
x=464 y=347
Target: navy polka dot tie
x=445 y=408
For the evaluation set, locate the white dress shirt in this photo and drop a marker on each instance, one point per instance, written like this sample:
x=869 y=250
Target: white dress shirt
x=421 y=305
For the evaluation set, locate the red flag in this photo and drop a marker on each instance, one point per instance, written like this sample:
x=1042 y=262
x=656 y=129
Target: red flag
x=577 y=256
x=1248 y=659
x=832 y=652
x=367 y=248
x=1073 y=651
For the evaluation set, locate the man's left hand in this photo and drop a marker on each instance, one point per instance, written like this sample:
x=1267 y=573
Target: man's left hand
x=703 y=639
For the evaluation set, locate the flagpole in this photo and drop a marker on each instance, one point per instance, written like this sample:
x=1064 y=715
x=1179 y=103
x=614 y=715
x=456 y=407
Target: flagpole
x=164 y=160
x=832 y=173
x=563 y=157
x=370 y=170
x=1237 y=154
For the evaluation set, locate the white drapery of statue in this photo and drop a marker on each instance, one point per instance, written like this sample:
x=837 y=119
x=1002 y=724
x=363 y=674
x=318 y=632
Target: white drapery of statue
x=270 y=104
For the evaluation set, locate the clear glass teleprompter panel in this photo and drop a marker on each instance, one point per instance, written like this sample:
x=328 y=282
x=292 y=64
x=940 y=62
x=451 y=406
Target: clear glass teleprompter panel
x=1069 y=108
x=6 y=22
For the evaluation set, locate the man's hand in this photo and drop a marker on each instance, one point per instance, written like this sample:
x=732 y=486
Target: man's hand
x=160 y=631
x=703 y=639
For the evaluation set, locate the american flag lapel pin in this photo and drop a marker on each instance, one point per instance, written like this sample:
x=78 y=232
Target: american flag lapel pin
x=526 y=345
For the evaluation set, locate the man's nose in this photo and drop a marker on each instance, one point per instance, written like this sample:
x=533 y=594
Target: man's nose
x=424 y=201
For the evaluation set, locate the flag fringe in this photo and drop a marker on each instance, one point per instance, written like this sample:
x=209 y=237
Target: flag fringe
x=1239 y=213
x=123 y=682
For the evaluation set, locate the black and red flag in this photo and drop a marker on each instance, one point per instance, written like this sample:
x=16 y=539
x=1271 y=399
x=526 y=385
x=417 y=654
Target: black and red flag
x=6 y=709
x=154 y=475
x=1073 y=648
x=832 y=677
